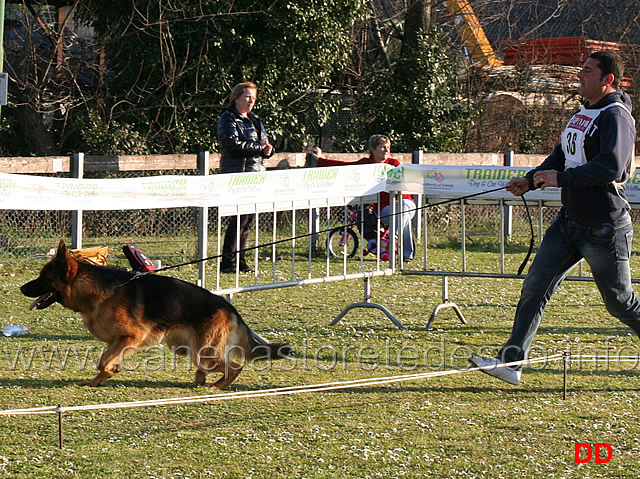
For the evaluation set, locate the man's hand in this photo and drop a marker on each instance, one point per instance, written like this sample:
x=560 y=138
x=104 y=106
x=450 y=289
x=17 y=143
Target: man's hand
x=518 y=186
x=545 y=179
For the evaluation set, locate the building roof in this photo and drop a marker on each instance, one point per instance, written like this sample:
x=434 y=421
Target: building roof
x=603 y=20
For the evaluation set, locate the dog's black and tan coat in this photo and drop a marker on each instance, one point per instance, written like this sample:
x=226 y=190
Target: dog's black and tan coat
x=129 y=314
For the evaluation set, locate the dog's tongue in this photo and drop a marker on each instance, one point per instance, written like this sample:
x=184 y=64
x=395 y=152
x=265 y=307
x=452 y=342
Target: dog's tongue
x=35 y=303
x=39 y=300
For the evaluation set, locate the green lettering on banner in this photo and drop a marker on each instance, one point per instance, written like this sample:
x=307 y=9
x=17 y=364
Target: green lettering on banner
x=497 y=174
x=78 y=187
x=321 y=174
x=396 y=173
x=381 y=170
x=7 y=184
x=475 y=173
x=170 y=185
x=174 y=185
x=493 y=174
x=248 y=180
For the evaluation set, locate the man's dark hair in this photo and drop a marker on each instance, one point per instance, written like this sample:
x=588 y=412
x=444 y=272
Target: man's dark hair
x=610 y=62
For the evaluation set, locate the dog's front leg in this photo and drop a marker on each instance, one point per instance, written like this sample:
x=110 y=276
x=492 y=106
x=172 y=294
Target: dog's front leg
x=110 y=361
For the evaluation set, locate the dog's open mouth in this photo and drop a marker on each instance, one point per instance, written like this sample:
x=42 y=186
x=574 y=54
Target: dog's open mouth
x=44 y=301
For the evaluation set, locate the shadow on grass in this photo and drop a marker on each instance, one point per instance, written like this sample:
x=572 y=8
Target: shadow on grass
x=116 y=383
x=58 y=337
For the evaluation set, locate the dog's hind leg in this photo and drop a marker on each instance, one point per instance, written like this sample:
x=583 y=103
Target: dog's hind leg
x=110 y=360
x=230 y=372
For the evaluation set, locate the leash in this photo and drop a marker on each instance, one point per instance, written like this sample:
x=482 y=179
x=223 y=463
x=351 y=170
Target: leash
x=136 y=275
x=532 y=237
x=140 y=274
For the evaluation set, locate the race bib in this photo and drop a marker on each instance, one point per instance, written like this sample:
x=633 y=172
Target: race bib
x=580 y=125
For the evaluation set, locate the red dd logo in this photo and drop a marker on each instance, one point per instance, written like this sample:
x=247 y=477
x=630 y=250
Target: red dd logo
x=591 y=452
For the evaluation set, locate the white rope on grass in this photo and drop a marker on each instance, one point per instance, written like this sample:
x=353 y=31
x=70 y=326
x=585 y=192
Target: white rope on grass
x=607 y=357
x=29 y=411
x=267 y=392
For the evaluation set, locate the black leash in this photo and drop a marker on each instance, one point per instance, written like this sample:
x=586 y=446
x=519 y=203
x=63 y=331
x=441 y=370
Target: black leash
x=531 y=238
x=136 y=275
x=272 y=243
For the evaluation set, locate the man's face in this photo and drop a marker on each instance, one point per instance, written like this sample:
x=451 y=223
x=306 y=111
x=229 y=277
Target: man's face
x=592 y=87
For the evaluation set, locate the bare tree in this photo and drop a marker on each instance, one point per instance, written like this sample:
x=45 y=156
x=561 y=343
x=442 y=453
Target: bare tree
x=160 y=70
x=526 y=103
x=419 y=16
x=52 y=72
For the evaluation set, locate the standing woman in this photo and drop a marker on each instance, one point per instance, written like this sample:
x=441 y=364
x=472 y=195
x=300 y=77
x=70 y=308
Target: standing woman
x=243 y=145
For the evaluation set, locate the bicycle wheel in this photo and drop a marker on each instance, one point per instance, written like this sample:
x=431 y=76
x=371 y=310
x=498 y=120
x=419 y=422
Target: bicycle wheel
x=340 y=243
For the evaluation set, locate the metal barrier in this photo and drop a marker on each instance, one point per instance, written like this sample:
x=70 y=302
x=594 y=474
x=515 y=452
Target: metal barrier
x=316 y=200
x=308 y=246
x=505 y=215
x=465 y=180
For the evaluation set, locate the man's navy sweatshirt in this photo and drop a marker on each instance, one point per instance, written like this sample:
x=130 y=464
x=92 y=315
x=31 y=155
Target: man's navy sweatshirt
x=589 y=194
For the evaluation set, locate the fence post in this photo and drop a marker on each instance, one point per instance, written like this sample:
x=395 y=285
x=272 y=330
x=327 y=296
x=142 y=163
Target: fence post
x=77 y=171
x=314 y=228
x=203 y=221
x=508 y=218
x=416 y=159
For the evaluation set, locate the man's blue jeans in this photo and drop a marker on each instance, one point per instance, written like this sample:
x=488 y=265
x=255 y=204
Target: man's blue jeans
x=566 y=242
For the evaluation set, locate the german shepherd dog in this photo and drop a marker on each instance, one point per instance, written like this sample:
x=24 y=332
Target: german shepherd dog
x=129 y=312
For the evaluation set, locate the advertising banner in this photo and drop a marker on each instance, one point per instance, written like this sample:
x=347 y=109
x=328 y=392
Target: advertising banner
x=26 y=192
x=456 y=181
x=279 y=189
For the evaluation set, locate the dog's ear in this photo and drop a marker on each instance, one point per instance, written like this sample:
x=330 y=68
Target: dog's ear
x=62 y=251
x=66 y=264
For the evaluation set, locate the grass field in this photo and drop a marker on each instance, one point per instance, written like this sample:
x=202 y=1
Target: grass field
x=461 y=425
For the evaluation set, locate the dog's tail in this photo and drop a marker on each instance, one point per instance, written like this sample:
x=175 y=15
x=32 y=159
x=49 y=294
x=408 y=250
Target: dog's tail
x=268 y=351
x=256 y=348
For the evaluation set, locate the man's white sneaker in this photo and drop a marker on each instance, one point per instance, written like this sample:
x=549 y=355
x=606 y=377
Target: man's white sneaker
x=494 y=367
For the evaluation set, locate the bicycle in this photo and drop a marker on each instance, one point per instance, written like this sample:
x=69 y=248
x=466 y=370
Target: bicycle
x=345 y=240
